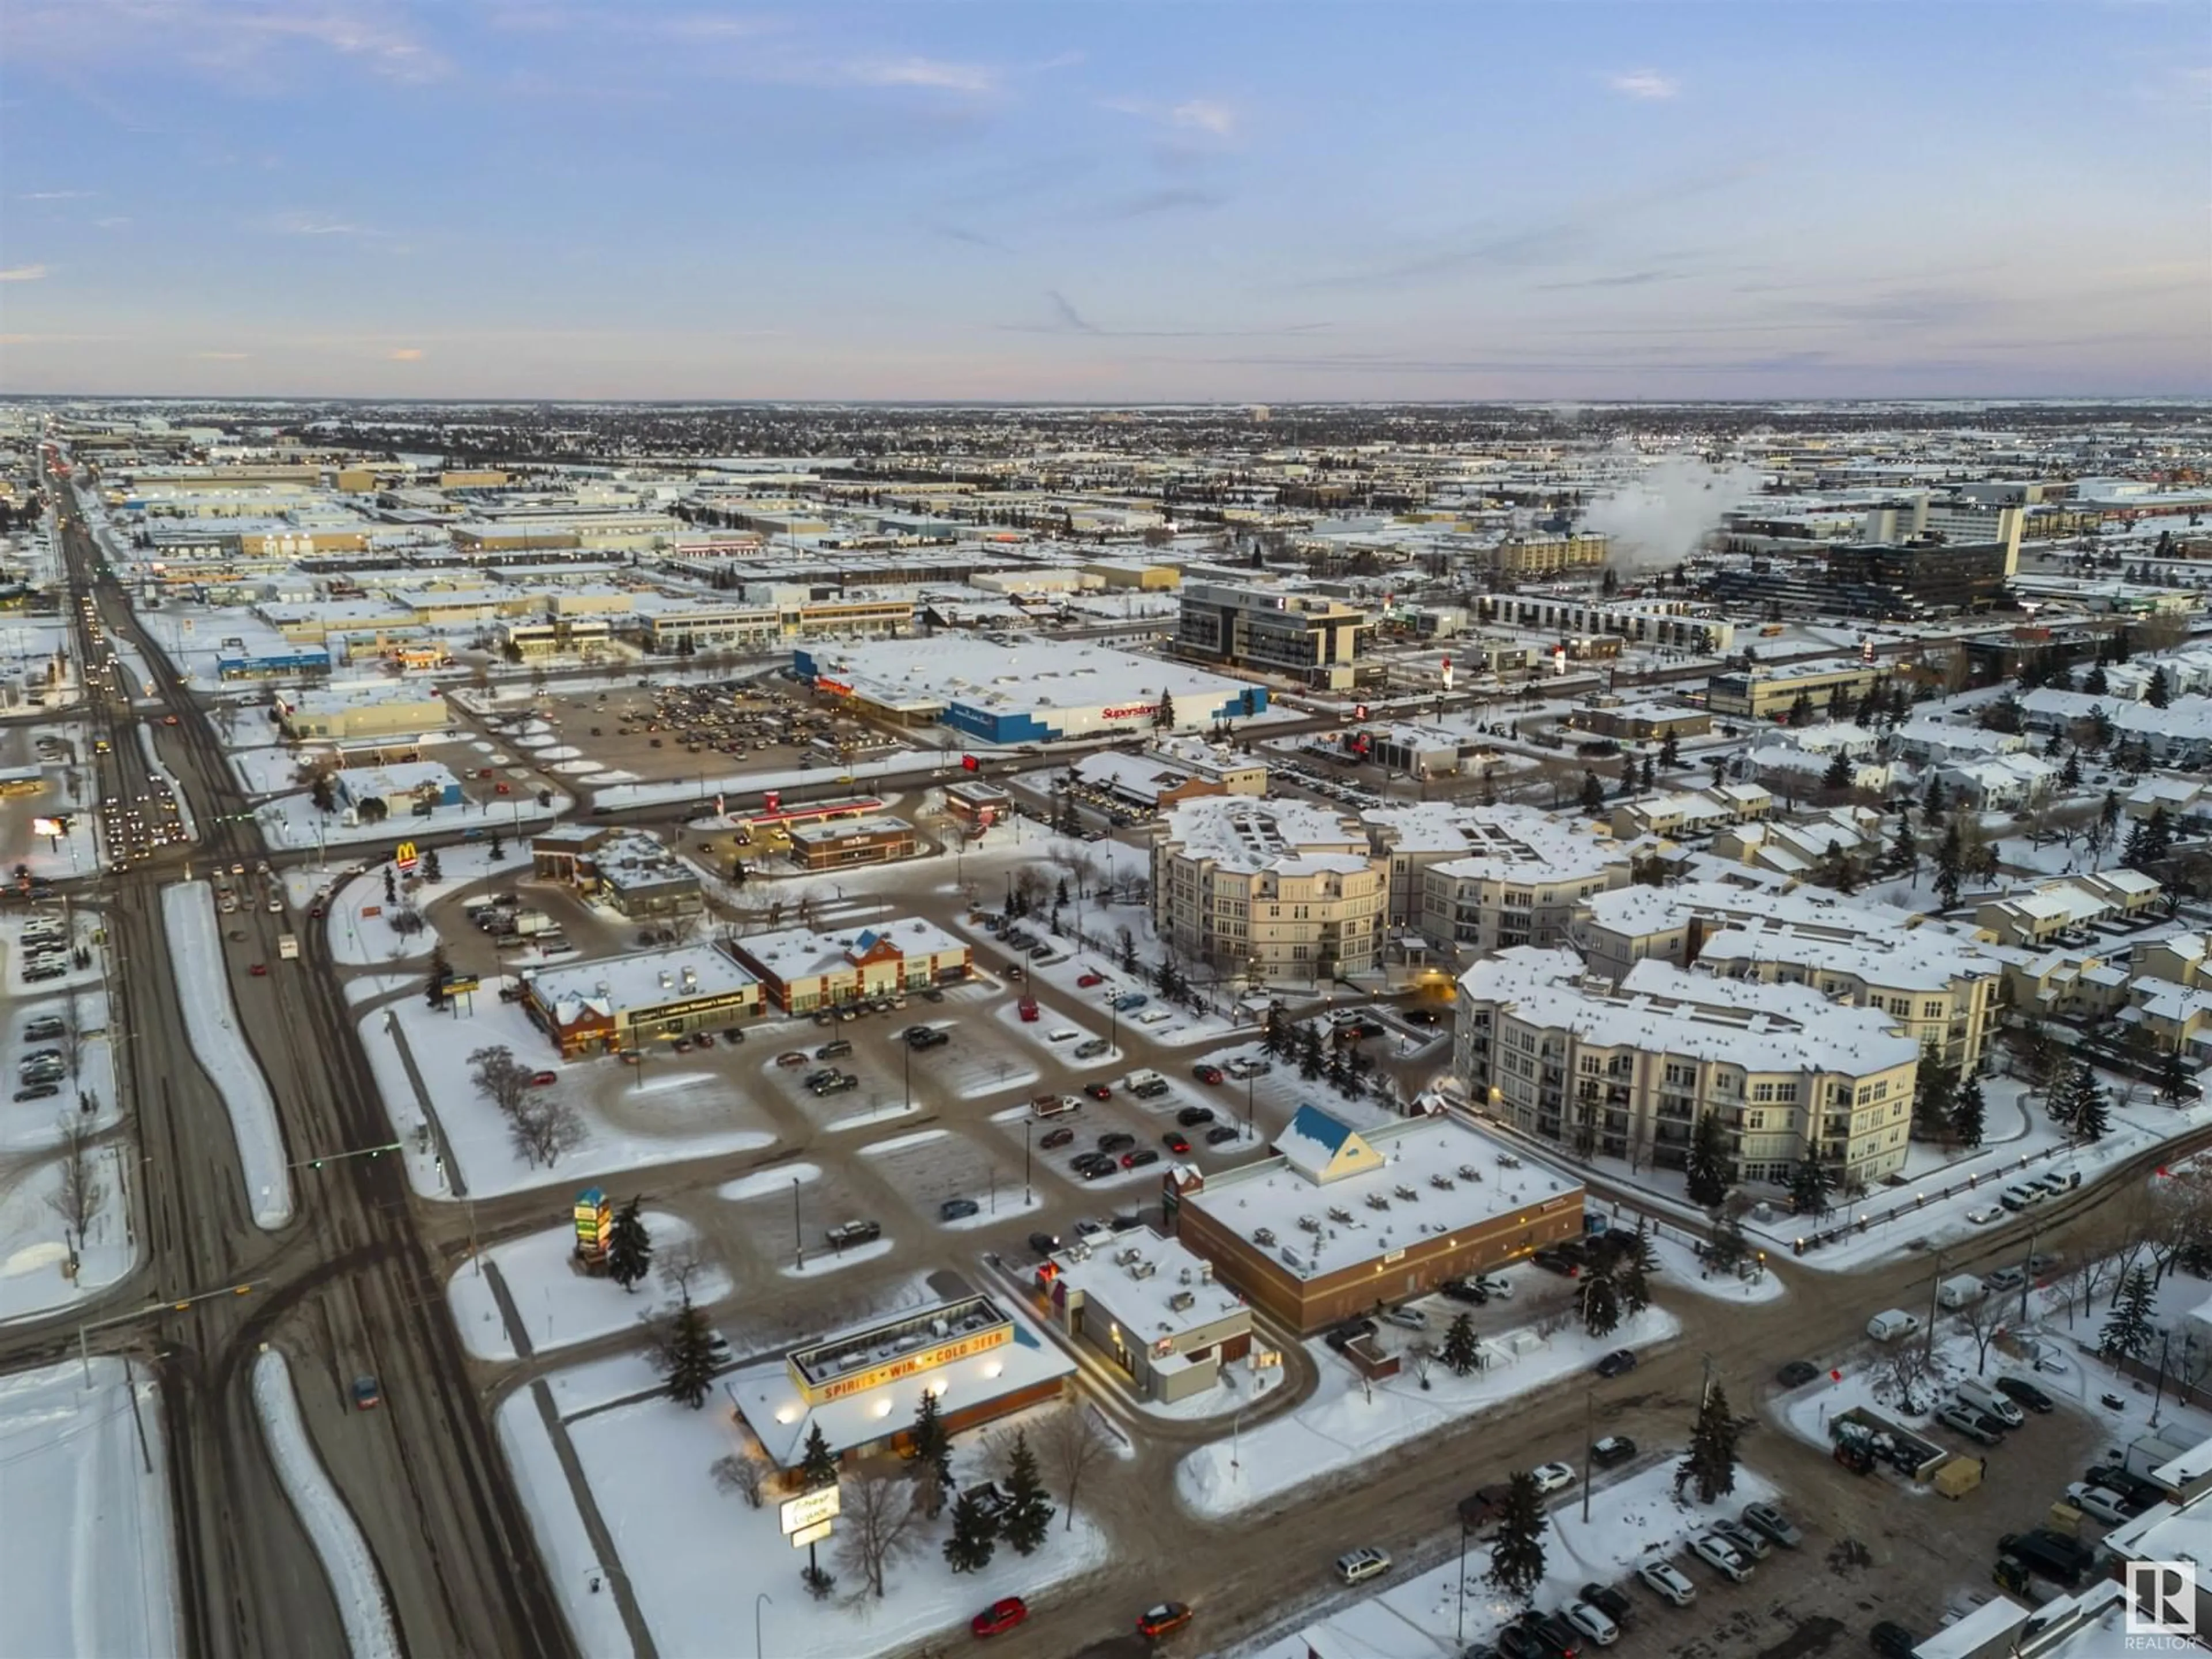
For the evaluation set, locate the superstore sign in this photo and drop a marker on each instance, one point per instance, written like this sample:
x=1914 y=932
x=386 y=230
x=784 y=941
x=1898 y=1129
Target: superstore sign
x=1133 y=712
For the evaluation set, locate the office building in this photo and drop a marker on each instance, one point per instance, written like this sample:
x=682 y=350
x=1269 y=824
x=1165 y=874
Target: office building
x=1305 y=637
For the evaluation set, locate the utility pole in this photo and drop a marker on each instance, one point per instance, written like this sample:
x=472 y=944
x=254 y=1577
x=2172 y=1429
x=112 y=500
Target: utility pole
x=1934 y=1290
x=1589 y=1445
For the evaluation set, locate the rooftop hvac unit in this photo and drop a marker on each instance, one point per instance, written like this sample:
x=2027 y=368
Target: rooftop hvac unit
x=938 y=1328
x=1205 y=1273
x=1181 y=1301
x=1144 y=1269
x=1123 y=1257
x=1443 y=1184
x=1262 y=1236
x=1184 y=1277
x=1337 y=1212
x=1468 y=1172
x=1405 y=1192
x=1309 y=1223
x=690 y=978
x=1376 y=1201
x=666 y=982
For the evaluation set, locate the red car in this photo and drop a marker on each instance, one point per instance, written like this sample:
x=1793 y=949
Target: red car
x=315 y=910
x=168 y=719
x=1056 y=1138
x=1084 y=981
x=1175 y=1143
x=1206 y=1073
x=544 y=1079
x=502 y=789
x=1156 y=1622
x=1098 y=1091
x=259 y=970
x=999 y=1617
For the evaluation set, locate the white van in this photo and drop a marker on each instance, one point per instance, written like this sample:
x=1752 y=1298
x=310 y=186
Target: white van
x=1984 y=1398
x=1893 y=1323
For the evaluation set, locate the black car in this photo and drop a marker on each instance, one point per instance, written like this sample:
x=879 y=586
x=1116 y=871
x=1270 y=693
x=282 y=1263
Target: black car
x=1464 y=1290
x=1892 y=1641
x=1797 y=1374
x=1043 y=1244
x=1115 y=1140
x=1191 y=1116
x=1554 y=1635
x=1513 y=1643
x=2023 y=1393
x=1346 y=1334
x=1620 y=1360
x=2132 y=1486
x=1614 y=1449
x=1608 y=1601
x=1221 y=1133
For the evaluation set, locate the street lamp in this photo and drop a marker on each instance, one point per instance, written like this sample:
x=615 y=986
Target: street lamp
x=798 y=1238
x=1028 y=1196
x=759 y=1652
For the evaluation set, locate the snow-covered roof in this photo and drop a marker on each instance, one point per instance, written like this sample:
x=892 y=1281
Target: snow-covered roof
x=1148 y=1301
x=796 y=953
x=1252 y=834
x=641 y=980
x=1497 y=843
x=1919 y=958
x=1428 y=1178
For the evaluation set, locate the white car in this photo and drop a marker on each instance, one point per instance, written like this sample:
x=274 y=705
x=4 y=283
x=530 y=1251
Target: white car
x=1552 y=1477
x=1716 y=1553
x=1592 y=1622
x=1500 y=1288
x=1355 y=1566
x=1665 y=1580
x=2106 y=1505
x=1983 y=1216
x=1412 y=1318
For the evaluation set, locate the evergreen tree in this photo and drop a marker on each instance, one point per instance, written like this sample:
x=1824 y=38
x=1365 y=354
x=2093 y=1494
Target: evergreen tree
x=2094 y=684
x=1936 y=799
x=1461 y=1351
x=1649 y=778
x=1310 y=1063
x=434 y=988
x=932 y=1446
x=391 y=891
x=2069 y=778
x=1800 y=709
x=1810 y=1184
x=1968 y=1114
x=1839 y=775
x=2127 y=1333
x=1708 y=1169
x=1950 y=865
x=1711 y=1465
x=497 y=852
x=1934 y=1090
x=1059 y=894
x=1275 y=1036
x=1517 y=1553
x=2159 y=692
x=1163 y=717
x=2109 y=813
x=2174 y=1082
x=1903 y=849
x=2158 y=836
x=430 y=871
x=818 y=1464
x=2092 y=1118
x=1593 y=795
x=1670 y=751
x=1633 y=1260
x=1028 y=1512
x=687 y=1356
x=630 y=1248
x=1601 y=1304
x=974 y=1535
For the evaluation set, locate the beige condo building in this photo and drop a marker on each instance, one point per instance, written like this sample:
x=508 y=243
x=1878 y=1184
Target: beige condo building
x=1268 y=890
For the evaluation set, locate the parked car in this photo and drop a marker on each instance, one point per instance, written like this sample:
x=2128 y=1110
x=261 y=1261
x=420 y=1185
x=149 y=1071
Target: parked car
x=1970 y=1423
x=1411 y=1319
x=1191 y=1116
x=1176 y=1141
x=1157 y=1621
x=1769 y=1521
x=791 y=1057
x=2023 y=1393
x=957 y=1209
x=2105 y=1504
x=1083 y=981
x=1552 y=1635
x=1620 y=1360
x=1665 y=1580
x=1116 y=1140
x=1797 y=1373
x=367 y=1393
x=1343 y=1336
x=1717 y=1553
x=1221 y=1132
x=1552 y=1477
x=1205 y=1074
x=1464 y=1290
x=1752 y=1546
x=2005 y=1278
x=1892 y=1641
x=836 y=1048
x=1614 y=1449
x=1090 y=1049
x=1139 y=1158
x=1591 y=1622
x=1553 y=1259
x=1001 y=1616
x=1496 y=1285
x=1059 y=1137
x=1608 y=1600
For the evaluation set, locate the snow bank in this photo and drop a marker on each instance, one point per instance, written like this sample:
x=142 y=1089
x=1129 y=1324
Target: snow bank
x=1344 y=1422
x=88 y=1564
x=330 y=1525
x=595 y=1621
x=772 y=1182
x=203 y=990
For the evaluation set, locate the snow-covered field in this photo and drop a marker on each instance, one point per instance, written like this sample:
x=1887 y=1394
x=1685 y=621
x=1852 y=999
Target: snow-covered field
x=628 y=1123
x=558 y=1303
x=695 y=1557
x=204 y=993
x=1633 y=1522
x=31 y=1125
x=1343 y=1422
x=359 y=939
x=292 y=821
x=355 y=1583
x=88 y=1565
x=34 y=1244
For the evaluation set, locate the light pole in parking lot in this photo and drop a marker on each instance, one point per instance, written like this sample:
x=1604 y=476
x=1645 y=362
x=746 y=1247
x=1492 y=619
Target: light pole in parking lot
x=1463 y=1581
x=1027 y=1197
x=797 y=1237
x=906 y=1071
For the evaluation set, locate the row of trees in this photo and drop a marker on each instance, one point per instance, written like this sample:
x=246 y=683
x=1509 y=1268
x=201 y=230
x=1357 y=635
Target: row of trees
x=542 y=1125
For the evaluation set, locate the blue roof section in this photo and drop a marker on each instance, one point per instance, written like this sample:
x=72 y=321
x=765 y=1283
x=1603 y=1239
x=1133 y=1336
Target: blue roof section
x=867 y=941
x=1314 y=1124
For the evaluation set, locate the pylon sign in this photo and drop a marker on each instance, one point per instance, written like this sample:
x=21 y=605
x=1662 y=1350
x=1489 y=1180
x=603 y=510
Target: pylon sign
x=595 y=1217
x=404 y=857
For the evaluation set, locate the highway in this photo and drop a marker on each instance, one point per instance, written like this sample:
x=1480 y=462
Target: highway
x=350 y=1287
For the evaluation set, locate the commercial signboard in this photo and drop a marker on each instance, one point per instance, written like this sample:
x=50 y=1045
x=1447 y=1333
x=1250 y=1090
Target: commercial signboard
x=808 y=1508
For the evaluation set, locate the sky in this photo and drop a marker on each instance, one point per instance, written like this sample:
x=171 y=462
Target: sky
x=1107 y=200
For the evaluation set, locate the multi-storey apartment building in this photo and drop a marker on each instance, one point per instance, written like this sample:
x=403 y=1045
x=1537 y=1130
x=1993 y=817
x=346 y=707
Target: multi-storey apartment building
x=1628 y=1070
x=1268 y=890
x=1476 y=878
x=1308 y=637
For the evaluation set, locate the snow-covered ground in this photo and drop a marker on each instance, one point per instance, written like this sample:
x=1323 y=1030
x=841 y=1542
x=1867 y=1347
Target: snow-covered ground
x=355 y=1583
x=358 y=939
x=88 y=1564
x=1346 y=1421
x=695 y=1557
x=629 y=1122
x=31 y=1125
x=34 y=1242
x=292 y=821
x=559 y=1303
x=203 y=994
x=1633 y=1522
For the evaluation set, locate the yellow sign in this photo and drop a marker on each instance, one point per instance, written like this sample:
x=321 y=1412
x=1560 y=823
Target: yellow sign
x=404 y=855
x=813 y=1534
x=926 y=1359
x=808 y=1508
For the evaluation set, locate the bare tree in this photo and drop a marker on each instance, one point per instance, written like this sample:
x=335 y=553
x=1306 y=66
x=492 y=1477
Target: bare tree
x=2180 y=1216
x=1069 y=1444
x=543 y=1128
x=2082 y=1281
x=82 y=1195
x=501 y=1077
x=1902 y=1367
x=743 y=1474
x=680 y=1264
x=683 y=927
x=878 y=1519
x=73 y=1038
x=1982 y=1319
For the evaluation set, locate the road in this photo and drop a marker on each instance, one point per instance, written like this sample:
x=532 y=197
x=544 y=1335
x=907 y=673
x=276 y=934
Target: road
x=349 y=1287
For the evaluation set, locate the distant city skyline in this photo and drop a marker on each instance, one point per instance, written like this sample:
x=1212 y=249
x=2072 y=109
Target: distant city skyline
x=525 y=198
